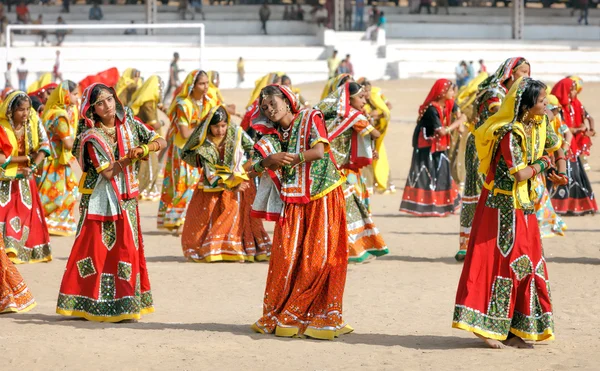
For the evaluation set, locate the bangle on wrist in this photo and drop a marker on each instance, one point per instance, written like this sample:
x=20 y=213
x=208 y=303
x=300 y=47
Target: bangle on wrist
x=301 y=158
x=120 y=166
x=6 y=162
x=258 y=167
x=535 y=172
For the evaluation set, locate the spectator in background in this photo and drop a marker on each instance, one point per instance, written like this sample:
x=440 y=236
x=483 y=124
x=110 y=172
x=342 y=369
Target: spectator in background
x=461 y=74
x=23 y=15
x=482 y=67
x=299 y=15
x=348 y=15
x=22 y=72
x=441 y=3
x=349 y=65
x=359 y=23
x=173 y=76
x=286 y=13
x=332 y=64
x=470 y=71
x=342 y=68
x=7 y=76
x=240 y=71
x=3 y=23
x=60 y=34
x=184 y=10
x=264 y=13
x=56 y=74
x=320 y=15
x=131 y=31
x=66 y=6
x=382 y=21
x=197 y=5
x=583 y=6
x=42 y=33
x=96 y=13
x=373 y=15
x=425 y=4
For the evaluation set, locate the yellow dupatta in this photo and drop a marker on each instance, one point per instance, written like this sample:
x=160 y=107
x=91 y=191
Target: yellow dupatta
x=466 y=97
x=44 y=80
x=260 y=84
x=30 y=129
x=190 y=109
x=56 y=106
x=213 y=90
x=126 y=79
x=148 y=92
x=487 y=140
x=231 y=173
x=381 y=166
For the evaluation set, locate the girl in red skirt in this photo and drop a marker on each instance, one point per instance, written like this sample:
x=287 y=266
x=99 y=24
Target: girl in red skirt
x=106 y=279
x=504 y=295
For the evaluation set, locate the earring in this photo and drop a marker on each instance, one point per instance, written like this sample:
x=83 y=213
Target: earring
x=288 y=108
x=525 y=115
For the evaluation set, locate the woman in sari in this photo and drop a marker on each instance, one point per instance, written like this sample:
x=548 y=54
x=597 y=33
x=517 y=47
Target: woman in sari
x=430 y=189
x=58 y=184
x=378 y=111
x=24 y=148
x=488 y=101
x=307 y=269
x=128 y=84
x=188 y=110
x=144 y=104
x=503 y=295
x=219 y=227
x=350 y=135
x=15 y=296
x=577 y=197
x=106 y=279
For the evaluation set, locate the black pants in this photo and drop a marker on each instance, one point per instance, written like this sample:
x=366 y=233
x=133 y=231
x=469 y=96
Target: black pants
x=264 y=26
x=428 y=6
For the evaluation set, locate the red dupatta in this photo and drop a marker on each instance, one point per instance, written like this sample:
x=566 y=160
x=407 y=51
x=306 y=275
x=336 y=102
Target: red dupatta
x=437 y=142
x=573 y=113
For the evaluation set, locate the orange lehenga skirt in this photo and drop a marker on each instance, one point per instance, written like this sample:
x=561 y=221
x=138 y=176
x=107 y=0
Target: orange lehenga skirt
x=307 y=271
x=14 y=293
x=219 y=228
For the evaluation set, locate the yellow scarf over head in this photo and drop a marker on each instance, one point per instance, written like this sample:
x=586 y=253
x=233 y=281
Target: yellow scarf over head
x=259 y=84
x=126 y=79
x=44 y=80
x=149 y=92
x=31 y=131
x=487 y=139
x=57 y=106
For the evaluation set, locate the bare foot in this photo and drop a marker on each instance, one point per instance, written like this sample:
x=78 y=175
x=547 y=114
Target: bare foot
x=517 y=342
x=494 y=344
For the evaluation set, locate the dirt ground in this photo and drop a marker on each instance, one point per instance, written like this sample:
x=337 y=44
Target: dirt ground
x=400 y=305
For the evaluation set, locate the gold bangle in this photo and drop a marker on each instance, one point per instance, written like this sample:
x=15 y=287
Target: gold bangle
x=120 y=166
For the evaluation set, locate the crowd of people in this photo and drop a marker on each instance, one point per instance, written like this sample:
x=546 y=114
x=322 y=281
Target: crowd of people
x=506 y=151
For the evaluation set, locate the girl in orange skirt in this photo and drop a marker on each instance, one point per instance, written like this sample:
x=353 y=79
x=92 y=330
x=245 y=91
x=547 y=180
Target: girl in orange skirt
x=219 y=227
x=307 y=270
x=14 y=293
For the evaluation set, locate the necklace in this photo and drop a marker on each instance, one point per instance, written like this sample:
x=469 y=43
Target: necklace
x=110 y=132
x=285 y=133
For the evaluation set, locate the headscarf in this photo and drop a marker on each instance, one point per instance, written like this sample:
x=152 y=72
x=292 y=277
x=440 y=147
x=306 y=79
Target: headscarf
x=259 y=84
x=468 y=93
x=553 y=102
x=334 y=83
x=503 y=73
x=149 y=92
x=44 y=80
x=8 y=140
x=562 y=91
x=43 y=89
x=213 y=89
x=438 y=90
x=56 y=107
x=340 y=116
x=231 y=173
x=109 y=78
x=127 y=79
x=262 y=124
x=488 y=136
x=578 y=82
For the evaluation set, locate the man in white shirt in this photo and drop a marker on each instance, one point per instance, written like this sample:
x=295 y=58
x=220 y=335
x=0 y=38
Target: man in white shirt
x=7 y=75
x=22 y=72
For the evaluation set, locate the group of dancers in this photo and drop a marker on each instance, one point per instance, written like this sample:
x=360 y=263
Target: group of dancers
x=309 y=168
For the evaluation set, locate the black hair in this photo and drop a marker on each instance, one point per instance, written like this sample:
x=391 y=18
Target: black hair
x=366 y=82
x=72 y=86
x=271 y=91
x=200 y=73
x=220 y=115
x=17 y=101
x=530 y=96
x=343 y=80
x=353 y=88
x=284 y=78
x=36 y=103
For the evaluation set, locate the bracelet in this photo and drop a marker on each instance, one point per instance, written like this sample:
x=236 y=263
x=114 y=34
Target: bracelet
x=157 y=146
x=562 y=173
x=121 y=166
x=34 y=167
x=146 y=150
x=6 y=162
x=301 y=157
x=561 y=158
x=534 y=171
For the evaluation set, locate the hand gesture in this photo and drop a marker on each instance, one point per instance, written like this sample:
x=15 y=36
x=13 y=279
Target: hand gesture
x=558 y=179
x=135 y=153
x=277 y=160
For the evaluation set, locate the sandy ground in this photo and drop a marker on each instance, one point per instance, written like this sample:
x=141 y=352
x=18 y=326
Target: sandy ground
x=400 y=305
